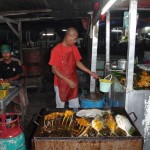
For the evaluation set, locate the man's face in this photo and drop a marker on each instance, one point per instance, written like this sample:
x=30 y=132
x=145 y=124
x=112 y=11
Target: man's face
x=6 y=55
x=72 y=38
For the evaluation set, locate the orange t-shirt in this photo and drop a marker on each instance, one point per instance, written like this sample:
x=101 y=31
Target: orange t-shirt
x=56 y=56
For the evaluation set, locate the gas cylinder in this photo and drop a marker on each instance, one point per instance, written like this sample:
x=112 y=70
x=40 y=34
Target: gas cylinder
x=11 y=135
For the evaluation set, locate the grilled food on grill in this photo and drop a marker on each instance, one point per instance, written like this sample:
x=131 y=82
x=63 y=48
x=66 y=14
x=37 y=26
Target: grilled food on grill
x=97 y=124
x=124 y=124
x=68 y=115
x=110 y=122
x=82 y=122
x=83 y=125
x=53 y=116
x=58 y=124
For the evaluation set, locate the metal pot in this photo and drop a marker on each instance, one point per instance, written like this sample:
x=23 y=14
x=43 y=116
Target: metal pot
x=122 y=64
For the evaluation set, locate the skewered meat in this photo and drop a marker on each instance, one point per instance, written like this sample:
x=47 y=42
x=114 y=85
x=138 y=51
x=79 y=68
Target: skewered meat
x=83 y=125
x=53 y=116
x=68 y=115
x=50 y=118
x=82 y=122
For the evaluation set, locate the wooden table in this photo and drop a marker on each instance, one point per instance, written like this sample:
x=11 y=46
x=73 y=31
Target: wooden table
x=13 y=92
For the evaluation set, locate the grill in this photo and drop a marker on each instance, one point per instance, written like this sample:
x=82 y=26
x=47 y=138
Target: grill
x=68 y=142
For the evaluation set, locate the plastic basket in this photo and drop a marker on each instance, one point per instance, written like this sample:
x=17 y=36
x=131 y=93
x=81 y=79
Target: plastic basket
x=4 y=91
x=105 y=84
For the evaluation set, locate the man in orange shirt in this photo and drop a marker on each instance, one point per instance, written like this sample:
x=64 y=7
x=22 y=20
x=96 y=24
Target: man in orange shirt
x=64 y=58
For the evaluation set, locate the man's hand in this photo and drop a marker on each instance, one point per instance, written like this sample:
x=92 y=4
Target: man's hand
x=94 y=75
x=83 y=68
x=71 y=84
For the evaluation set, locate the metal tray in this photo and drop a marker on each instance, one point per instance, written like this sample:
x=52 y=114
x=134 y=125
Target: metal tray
x=75 y=143
x=116 y=110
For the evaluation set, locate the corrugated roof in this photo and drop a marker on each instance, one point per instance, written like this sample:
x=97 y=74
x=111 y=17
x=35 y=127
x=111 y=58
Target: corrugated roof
x=50 y=9
x=56 y=9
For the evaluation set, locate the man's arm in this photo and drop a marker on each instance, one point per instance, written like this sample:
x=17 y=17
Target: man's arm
x=17 y=77
x=80 y=65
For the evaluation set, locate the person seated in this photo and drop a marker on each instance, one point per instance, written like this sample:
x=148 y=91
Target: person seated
x=11 y=71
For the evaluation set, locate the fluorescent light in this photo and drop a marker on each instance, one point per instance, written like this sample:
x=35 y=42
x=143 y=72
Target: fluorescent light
x=107 y=6
x=114 y=30
x=48 y=34
x=64 y=30
x=148 y=33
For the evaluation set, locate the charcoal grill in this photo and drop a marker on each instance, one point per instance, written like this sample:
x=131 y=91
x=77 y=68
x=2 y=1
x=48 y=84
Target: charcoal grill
x=39 y=141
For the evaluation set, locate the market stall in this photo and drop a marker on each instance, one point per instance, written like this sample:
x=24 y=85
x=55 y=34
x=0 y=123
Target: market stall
x=134 y=100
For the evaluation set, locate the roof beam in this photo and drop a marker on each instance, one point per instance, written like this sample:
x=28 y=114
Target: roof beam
x=21 y=12
x=12 y=27
x=33 y=19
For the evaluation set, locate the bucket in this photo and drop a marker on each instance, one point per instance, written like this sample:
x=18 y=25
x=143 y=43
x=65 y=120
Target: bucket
x=87 y=103
x=92 y=100
x=105 y=84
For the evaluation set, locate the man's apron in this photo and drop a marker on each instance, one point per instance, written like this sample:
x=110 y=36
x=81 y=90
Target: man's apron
x=68 y=69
